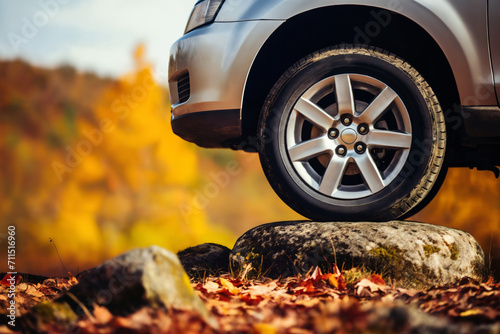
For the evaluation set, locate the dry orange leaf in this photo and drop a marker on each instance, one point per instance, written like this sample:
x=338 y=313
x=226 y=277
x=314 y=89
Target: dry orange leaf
x=377 y=279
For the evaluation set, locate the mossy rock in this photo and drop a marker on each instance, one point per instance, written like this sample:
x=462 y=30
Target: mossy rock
x=410 y=254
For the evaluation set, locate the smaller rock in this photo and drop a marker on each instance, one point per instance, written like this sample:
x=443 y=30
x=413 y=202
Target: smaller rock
x=206 y=259
x=150 y=276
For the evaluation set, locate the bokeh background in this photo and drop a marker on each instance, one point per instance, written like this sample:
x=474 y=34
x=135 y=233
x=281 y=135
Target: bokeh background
x=89 y=166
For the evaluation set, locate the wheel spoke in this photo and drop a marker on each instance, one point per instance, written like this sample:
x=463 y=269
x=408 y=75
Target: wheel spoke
x=309 y=149
x=390 y=139
x=343 y=92
x=370 y=173
x=314 y=114
x=333 y=175
x=378 y=106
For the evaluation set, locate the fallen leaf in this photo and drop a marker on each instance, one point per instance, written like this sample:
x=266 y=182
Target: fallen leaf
x=72 y=279
x=262 y=289
x=377 y=279
x=366 y=285
x=264 y=329
x=211 y=286
x=102 y=315
x=308 y=302
x=471 y=312
x=333 y=282
x=316 y=274
x=34 y=292
x=251 y=300
x=229 y=286
x=7 y=280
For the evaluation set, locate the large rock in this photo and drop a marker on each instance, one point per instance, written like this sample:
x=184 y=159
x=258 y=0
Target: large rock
x=413 y=254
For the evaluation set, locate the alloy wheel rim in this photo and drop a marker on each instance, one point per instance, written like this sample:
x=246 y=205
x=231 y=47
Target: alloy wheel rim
x=348 y=136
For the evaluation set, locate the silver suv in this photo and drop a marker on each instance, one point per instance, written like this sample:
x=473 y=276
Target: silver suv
x=351 y=105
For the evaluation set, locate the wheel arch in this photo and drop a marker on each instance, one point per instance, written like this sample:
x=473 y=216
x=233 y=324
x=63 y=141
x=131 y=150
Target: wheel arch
x=310 y=31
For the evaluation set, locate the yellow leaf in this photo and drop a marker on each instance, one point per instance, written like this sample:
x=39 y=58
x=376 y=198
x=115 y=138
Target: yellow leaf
x=308 y=302
x=230 y=287
x=264 y=329
x=472 y=312
x=333 y=281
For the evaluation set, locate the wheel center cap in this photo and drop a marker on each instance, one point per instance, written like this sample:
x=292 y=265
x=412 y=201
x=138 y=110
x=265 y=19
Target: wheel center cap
x=349 y=136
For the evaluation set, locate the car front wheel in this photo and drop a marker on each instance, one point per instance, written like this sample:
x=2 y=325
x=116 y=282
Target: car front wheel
x=352 y=133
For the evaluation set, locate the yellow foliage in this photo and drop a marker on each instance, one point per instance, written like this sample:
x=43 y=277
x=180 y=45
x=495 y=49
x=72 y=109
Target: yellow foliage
x=103 y=179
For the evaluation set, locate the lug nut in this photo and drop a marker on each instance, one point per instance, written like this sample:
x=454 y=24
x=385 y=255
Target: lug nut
x=346 y=120
x=341 y=150
x=360 y=148
x=363 y=129
x=333 y=133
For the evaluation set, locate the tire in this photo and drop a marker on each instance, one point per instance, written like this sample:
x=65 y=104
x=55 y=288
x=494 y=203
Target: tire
x=352 y=133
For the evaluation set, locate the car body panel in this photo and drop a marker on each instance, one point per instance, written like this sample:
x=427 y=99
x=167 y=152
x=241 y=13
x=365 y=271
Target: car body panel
x=459 y=27
x=494 y=16
x=217 y=72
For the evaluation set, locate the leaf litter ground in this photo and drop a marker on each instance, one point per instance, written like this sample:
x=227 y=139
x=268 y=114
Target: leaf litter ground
x=316 y=303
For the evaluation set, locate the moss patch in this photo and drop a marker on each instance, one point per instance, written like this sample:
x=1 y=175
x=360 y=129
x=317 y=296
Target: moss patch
x=48 y=312
x=430 y=249
x=390 y=262
x=388 y=254
x=356 y=274
x=454 y=251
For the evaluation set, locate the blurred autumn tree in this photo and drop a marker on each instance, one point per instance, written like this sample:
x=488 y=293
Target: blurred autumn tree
x=92 y=164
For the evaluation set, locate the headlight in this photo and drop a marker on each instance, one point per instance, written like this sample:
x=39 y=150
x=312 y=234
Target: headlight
x=204 y=12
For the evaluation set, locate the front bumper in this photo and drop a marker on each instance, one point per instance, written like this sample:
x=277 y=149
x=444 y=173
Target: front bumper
x=207 y=74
